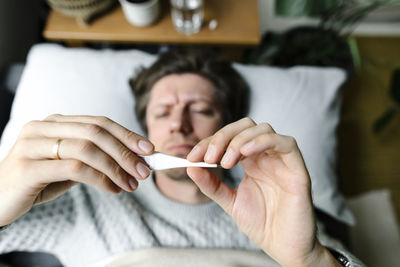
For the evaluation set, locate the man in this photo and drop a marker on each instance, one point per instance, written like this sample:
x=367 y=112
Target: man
x=189 y=105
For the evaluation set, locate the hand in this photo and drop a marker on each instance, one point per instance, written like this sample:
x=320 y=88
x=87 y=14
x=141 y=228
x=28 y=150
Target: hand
x=272 y=204
x=93 y=150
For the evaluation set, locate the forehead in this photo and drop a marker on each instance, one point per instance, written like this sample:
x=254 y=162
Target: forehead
x=177 y=88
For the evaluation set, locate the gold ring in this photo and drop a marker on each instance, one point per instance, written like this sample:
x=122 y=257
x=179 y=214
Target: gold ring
x=56 y=148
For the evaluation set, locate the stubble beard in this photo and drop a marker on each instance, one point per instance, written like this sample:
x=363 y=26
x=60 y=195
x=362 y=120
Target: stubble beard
x=178 y=174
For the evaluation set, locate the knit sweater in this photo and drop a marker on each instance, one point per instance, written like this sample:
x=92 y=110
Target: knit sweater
x=86 y=225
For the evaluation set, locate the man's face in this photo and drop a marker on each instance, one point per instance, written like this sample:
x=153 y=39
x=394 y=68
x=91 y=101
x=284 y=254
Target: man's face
x=181 y=112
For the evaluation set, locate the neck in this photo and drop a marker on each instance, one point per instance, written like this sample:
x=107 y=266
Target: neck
x=185 y=191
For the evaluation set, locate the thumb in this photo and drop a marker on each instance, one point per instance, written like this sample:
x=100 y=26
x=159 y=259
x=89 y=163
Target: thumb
x=213 y=187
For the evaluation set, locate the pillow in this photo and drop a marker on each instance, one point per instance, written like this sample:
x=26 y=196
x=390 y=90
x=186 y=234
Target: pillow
x=302 y=102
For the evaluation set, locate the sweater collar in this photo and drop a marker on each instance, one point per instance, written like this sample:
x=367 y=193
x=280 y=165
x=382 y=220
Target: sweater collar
x=154 y=201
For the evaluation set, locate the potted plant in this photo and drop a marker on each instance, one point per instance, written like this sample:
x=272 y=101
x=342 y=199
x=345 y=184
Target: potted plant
x=327 y=44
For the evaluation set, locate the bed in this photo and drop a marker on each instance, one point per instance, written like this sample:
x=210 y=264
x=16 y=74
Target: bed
x=300 y=101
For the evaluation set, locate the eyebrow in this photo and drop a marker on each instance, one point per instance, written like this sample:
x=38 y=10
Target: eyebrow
x=194 y=101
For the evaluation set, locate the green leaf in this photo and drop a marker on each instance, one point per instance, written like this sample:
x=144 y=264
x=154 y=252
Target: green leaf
x=299 y=8
x=320 y=6
x=384 y=120
x=292 y=8
x=355 y=53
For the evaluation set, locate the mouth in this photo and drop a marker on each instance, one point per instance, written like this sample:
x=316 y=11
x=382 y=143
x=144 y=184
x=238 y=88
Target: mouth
x=179 y=149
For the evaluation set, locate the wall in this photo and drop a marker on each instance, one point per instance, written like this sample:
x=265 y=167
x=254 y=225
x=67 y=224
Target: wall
x=369 y=161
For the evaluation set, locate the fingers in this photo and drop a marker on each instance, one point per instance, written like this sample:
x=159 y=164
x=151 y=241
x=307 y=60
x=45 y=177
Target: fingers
x=133 y=141
x=212 y=148
x=88 y=153
x=213 y=187
x=87 y=127
x=269 y=142
x=235 y=140
x=285 y=146
x=91 y=139
x=233 y=151
x=51 y=171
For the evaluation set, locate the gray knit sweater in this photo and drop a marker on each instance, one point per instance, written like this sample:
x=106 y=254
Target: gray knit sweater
x=86 y=225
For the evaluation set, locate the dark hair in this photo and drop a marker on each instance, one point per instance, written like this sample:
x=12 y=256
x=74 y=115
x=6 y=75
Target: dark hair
x=231 y=91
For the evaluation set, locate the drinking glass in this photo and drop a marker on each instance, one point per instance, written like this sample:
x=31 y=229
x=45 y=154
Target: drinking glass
x=187 y=15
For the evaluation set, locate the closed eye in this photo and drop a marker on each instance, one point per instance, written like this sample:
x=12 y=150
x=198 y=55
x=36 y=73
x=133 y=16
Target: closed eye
x=204 y=111
x=161 y=115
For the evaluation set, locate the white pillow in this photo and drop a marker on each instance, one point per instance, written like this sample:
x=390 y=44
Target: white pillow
x=300 y=101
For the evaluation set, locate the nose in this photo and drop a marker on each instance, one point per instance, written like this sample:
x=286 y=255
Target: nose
x=181 y=122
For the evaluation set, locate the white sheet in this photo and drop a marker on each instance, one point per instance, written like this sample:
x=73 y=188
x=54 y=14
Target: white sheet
x=175 y=257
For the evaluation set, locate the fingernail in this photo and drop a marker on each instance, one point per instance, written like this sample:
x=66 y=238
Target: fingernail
x=143 y=170
x=194 y=153
x=211 y=152
x=227 y=157
x=132 y=183
x=145 y=146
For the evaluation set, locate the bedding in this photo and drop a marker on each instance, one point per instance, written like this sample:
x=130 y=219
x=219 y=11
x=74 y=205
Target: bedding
x=376 y=224
x=301 y=101
x=171 y=257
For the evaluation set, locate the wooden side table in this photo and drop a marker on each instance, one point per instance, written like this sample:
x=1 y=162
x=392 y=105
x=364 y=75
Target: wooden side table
x=238 y=24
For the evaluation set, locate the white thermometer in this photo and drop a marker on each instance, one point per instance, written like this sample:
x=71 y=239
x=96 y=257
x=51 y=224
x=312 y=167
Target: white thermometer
x=160 y=161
